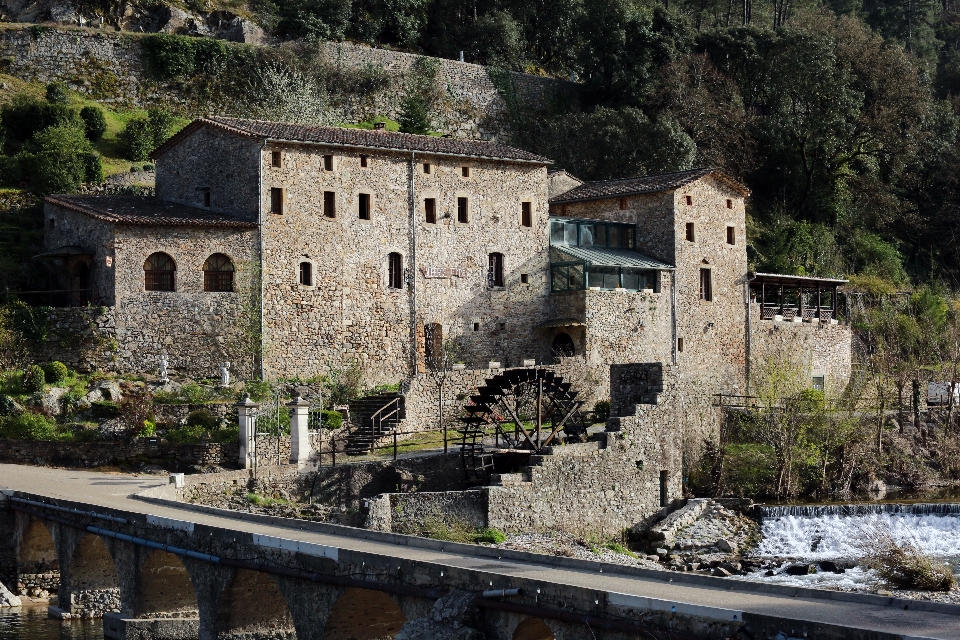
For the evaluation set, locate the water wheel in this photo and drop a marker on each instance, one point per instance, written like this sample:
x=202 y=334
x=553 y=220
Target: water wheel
x=524 y=411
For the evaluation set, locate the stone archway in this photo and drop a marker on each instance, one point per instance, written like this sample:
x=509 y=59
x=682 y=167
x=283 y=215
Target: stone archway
x=533 y=629
x=364 y=614
x=94 y=587
x=38 y=568
x=164 y=588
x=251 y=605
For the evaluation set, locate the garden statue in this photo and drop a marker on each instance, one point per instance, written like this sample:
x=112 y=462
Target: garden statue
x=163 y=370
x=224 y=374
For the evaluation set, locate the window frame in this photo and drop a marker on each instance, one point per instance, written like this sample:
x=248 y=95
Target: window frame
x=213 y=279
x=465 y=171
x=706 y=284
x=276 y=159
x=731 y=235
x=330 y=204
x=427 y=168
x=364 y=161
x=311 y=277
x=395 y=270
x=690 y=232
x=526 y=214
x=153 y=278
x=328 y=162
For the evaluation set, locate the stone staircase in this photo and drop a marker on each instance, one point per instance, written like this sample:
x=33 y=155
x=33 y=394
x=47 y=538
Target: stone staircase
x=373 y=417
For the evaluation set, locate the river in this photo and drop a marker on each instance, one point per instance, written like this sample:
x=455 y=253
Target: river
x=32 y=623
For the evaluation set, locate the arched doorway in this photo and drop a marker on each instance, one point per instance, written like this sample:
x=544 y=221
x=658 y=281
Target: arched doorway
x=533 y=629
x=94 y=587
x=37 y=565
x=251 y=604
x=364 y=614
x=164 y=588
x=563 y=346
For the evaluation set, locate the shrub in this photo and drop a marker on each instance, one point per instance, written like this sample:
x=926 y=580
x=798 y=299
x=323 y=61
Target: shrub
x=24 y=116
x=901 y=564
x=331 y=419
x=202 y=418
x=601 y=410
x=161 y=125
x=148 y=167
x=29 y=426
x=105 y=409
x=57 y=93
x=135 y=412
x=94 y=122
x=55 y=372
x=186 y=434
x=194 y=394
x=34 y=379
x=259 y=390
x=92 y=168
x=749 y=469
x=148 y=429
x=55 y=160
x=136 y=139
x=491 y=536
x=7 y=406
x=10 y=174
x=230 y=433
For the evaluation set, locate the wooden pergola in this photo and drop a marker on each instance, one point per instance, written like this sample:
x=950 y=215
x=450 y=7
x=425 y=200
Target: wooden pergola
x=794 y=296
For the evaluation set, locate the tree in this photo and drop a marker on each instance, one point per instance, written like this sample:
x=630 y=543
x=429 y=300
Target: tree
x=94 y=122
x=57 y=93
x=57 y=160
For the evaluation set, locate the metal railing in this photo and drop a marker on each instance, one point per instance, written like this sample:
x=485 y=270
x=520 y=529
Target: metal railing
x=382 y=415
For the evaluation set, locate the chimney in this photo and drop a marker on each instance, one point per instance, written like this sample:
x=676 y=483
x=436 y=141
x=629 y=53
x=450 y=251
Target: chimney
x=379 y=126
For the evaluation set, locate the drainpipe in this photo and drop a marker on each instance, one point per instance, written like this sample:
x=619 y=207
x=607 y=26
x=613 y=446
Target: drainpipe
x=263 y=148
x=413 y=266
x=673 y=312
x=749 y=341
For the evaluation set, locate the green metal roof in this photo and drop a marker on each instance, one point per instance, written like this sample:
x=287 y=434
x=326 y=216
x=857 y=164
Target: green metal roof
x=613 y=258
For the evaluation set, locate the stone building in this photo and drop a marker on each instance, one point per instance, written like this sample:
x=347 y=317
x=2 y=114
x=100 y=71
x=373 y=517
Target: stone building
x=290 y=250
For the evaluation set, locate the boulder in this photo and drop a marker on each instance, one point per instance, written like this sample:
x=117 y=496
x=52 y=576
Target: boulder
x=727 y=546
x=800 y=569
x=50 y=400
x=7 y=599
x=832 y=567
x=110 y=389
x=240 y=30
x=9 y=407
x=176 y=21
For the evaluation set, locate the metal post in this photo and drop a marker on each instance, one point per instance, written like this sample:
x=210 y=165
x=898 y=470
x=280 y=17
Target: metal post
x=394 y=444
x=299 y=430
x=247 y=417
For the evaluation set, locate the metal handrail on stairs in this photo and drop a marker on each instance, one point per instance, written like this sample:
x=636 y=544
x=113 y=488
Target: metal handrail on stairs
x=382 y=414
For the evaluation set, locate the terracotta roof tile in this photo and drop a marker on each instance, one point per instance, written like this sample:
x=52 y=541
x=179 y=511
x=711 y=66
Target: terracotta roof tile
x=357 y=138
x=145 y=211
x=645 y=184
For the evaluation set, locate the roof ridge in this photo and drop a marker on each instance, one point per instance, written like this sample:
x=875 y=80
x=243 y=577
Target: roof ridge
x=651 y=175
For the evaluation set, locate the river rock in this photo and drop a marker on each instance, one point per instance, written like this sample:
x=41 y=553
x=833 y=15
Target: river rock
x=7 y=599
x=832 y=567
x=800 y=569
x=50 y=400
x=727 y=546
x=110 y=390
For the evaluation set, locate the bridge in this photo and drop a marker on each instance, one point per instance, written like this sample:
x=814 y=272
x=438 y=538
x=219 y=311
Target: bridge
x=175 y=571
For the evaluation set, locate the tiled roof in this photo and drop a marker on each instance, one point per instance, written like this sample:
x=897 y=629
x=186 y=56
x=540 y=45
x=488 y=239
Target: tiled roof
x=357 y=139
x=146 y=210
x=645 y=184
x=613 y=257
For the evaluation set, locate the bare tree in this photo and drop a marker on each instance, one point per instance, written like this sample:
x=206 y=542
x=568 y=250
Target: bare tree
x=283 y=93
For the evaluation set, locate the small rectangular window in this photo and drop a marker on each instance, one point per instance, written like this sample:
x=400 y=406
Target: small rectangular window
x=430 y=209
x=664 y=497
x=364 y=206
x=206 y=198
x=276 y=200
x=53 y=223
x=329 y=204
x=691 y=236
x=563 y=209
x=306 y=274
x=426 y=167
x=465 y=172
x=526 y=214
x=476 y=326
x=363 y=161
x=731 y=235
x=680 y=345
x=622 y=203
x=818 y=383
x=328 y=163
x=276 y=159
x=689 y=200
x=524 y=278
x=706 y=285
x=729 y=203
x=463 y=213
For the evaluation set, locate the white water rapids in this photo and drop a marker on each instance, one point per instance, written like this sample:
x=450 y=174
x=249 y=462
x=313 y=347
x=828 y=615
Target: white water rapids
x=812 y=533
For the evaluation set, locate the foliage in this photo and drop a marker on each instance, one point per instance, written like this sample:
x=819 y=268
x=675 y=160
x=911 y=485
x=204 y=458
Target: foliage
x=331 y=419
x=56 y=93
x=285 y=93
x=95 y=123
x=185 y=434
x=136 y=139
x=421 y=97
x=149 y=429
x=173 y=57
x=750 y=469
x=901 y=564
x=202 y=418
x=259 y=390
x=490 y=536
x=105 y=409
x=34 y=379
x=601 y=410
x=136 y=411
x=30 y=426
x=344 y=384
x=55 y=372
x=59 y=159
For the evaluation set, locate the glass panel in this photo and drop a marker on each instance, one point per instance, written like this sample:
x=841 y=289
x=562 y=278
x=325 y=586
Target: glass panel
x=575 y=277
x=586 y=235
x=611 y=277
x=632 y=279
x=600 y=235
x=614 y=237
x=558 y=279
x=570 y=233
x=628 y=237
x=556 y=255
x=556 y=233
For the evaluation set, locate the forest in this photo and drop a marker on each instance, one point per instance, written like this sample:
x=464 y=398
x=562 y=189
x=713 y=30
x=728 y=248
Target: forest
x=841 y=116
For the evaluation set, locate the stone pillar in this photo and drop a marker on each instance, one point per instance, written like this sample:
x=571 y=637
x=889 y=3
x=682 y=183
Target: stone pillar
x=299 y=430
x=247 y=417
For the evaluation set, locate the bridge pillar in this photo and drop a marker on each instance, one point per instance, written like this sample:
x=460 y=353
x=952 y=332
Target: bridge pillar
x=299 y=431
x=247 y=417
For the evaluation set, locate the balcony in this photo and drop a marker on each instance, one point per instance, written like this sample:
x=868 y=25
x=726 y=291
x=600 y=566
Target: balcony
x=794 y=298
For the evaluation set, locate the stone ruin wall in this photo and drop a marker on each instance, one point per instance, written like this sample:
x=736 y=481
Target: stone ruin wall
x=817 y=349
x=109 y=66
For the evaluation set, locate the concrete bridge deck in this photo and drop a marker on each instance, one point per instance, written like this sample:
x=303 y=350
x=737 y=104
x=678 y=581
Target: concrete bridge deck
x=801 y=615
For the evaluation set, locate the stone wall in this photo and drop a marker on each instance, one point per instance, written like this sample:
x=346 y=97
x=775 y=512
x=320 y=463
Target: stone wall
x=815 y=349
x=424 y=512
x=94 y=454
x=109 y=66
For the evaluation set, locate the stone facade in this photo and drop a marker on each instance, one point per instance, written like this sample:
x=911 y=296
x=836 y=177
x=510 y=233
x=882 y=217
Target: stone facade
x=817 y=350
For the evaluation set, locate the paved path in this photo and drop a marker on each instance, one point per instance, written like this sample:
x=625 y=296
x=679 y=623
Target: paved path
x=111 y=490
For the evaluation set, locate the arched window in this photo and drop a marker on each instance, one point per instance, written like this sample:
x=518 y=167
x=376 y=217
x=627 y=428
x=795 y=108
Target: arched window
x=306 y=274
x=563 y=345
x=158 y=272
x=218 y=273
x=395 y=271
x=495 y=270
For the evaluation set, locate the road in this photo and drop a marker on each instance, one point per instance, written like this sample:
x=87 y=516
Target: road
x=114 y=490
